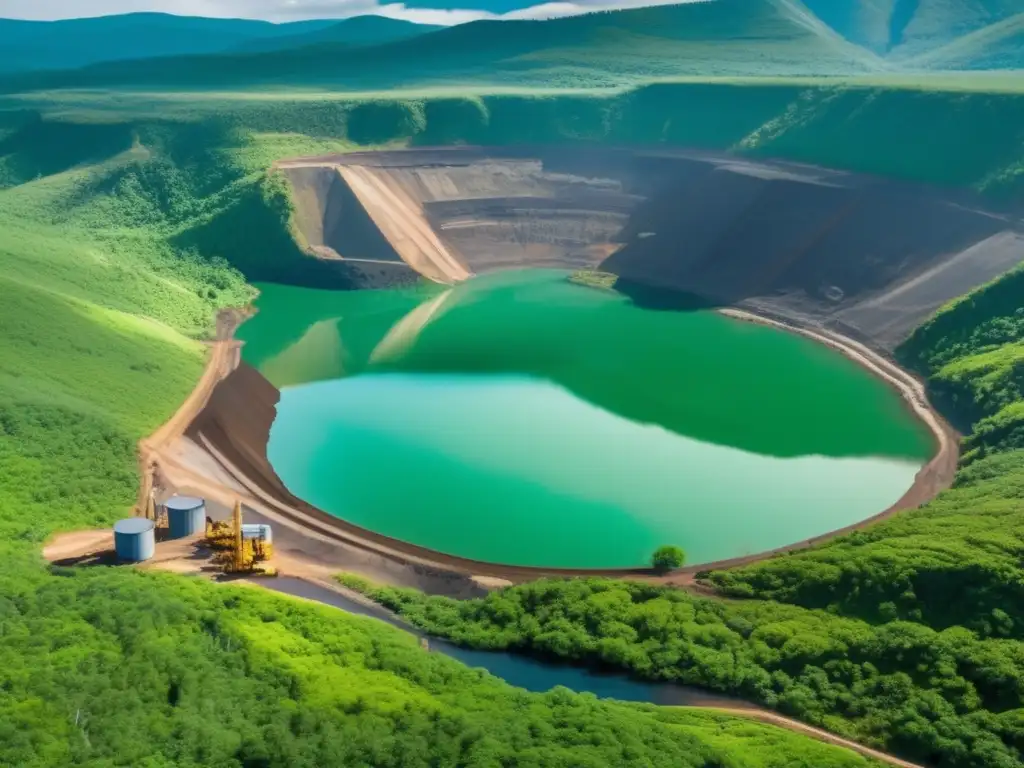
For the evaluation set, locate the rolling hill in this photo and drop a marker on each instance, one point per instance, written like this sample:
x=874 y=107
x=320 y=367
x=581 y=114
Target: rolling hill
x=939 y=22
x=724 y=38
x=358 y=30
x=909 y=28
x=997 y=46
x=864 y=22
x=40 y=45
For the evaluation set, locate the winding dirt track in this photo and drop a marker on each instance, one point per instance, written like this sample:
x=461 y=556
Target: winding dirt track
x=772 y=718
x=224 y=357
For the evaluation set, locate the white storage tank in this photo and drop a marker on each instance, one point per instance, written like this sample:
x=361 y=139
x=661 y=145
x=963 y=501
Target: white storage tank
x=135 y=539
x=186 y=516
x=258 y=531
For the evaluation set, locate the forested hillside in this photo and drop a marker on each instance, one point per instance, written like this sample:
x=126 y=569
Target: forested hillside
x=904 y=30
x=117 y=225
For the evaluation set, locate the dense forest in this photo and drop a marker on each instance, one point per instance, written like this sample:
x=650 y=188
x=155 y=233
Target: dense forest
x=945 y=698
x=107 y=667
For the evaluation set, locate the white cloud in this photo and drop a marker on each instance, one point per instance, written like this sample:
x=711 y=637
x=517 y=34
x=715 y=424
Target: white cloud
x=442 y=16
x=293 y=10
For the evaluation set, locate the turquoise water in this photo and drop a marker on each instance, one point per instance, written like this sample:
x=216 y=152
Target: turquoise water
x=521 y=419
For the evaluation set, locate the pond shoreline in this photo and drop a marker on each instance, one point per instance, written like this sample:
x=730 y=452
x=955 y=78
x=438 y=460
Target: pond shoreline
x=222 y=454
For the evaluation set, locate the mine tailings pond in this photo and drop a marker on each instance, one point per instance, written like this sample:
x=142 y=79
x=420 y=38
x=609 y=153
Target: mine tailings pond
x=519 y=418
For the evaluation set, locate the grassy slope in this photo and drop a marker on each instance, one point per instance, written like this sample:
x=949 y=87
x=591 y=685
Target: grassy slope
x=997 y=46
x=864 y=22
x=938 y=22
x=726 y=37
x=910 y=29
x=110 y=233
x=73 y=43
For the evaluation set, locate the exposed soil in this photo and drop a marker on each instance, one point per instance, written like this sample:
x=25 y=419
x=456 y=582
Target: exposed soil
x=221 y=455
x=868 y=257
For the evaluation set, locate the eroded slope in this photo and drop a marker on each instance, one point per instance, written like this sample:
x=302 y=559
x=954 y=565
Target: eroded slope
x=868 y=256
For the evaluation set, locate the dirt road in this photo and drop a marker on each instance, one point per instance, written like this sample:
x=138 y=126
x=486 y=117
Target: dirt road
x=224 y=358
x=766 y=716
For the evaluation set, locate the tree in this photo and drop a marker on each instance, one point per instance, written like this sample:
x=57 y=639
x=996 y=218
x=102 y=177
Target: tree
x=668 y=558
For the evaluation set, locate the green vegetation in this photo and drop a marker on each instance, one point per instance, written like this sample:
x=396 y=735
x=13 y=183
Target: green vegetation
x=115 y=236
x=725 y=37
x=71 y=43
x=593 y=278
x=667 y=558
x=109 y=667
x=942 y=698
x=869 y=128
x=127 y=219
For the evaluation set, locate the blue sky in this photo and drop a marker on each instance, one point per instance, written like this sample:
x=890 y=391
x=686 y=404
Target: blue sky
x=427 y=11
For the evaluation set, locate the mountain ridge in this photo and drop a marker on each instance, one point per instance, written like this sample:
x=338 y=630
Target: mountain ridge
x=723 y=37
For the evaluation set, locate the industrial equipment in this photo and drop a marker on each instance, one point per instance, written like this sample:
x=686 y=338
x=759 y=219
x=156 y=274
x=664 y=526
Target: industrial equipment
x=244 y=548
x=186 y=516
x=134 y=539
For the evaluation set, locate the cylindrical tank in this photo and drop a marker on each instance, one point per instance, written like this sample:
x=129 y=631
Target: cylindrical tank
x=135 y=539
x=258 y=531
x=186 y=516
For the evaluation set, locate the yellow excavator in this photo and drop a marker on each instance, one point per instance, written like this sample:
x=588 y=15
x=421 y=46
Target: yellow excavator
x=241 y=553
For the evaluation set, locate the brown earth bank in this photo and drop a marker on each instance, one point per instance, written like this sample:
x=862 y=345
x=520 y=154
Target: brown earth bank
x=868 y=257
x=805 y=249
x=221 y=455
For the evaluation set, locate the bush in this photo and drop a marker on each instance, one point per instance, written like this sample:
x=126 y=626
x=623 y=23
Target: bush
x=667 y=558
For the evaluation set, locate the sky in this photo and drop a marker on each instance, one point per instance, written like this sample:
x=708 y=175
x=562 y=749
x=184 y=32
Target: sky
x=449 y=12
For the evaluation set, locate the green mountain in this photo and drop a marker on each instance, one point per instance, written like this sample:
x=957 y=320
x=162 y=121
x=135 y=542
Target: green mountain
x=997 y=46
x=724 y=38
x=864 y=22
x=358 y=30
x=939 y=22
x=906 y=28
x=34 y=45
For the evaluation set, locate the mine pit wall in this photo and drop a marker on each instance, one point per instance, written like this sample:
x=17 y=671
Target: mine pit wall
x=869 y=257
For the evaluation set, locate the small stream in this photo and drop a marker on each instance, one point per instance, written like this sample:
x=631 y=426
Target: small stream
x=521 y=671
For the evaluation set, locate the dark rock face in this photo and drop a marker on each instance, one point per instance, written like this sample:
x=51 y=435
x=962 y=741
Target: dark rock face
x=870 y=257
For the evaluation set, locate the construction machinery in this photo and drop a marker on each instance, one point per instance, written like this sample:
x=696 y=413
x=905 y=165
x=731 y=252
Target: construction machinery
x=243 y=549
